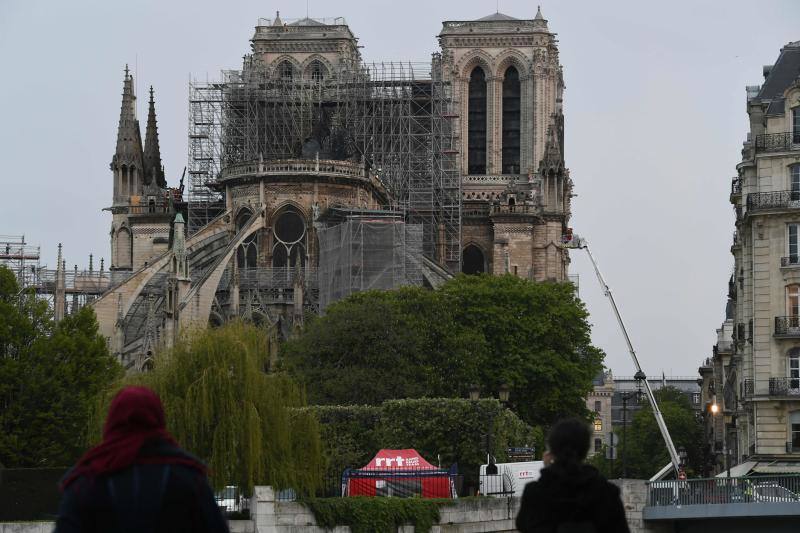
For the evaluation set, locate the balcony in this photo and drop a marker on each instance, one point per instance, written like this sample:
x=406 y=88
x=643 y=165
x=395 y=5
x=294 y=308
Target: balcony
x=792 y=261
x=787 y=326
x=784 y=387
x=748 y=388
x=773 y=200
x=777 y=142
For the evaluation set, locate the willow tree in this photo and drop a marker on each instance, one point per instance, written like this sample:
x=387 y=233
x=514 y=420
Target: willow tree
x=223 y=406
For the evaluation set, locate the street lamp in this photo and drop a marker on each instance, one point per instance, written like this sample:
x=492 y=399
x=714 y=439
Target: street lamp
x=474 y=392
x=503 y=393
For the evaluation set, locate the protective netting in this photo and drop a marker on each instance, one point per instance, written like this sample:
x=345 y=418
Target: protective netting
x=359 y=255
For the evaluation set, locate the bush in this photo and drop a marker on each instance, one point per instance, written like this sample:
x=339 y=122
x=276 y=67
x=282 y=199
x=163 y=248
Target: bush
x=371 y=515
x=444 y=430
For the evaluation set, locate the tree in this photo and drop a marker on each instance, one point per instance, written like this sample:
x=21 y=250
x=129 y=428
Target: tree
x=646 y=450
x=485 y=330
x=223 y=406
x=380 y=345
x=50 y=376
x=538 y=340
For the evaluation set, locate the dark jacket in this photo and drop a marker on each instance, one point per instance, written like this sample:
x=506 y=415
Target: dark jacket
x=142 y=498
x=576 y=499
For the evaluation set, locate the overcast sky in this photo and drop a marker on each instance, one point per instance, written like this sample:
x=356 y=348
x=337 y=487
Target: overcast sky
x=654 y=106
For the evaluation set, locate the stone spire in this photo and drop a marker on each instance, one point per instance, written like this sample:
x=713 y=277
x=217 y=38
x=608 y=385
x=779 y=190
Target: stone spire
x=277 y=21
x=129 y=140
x=153 y=171
x=539 y=22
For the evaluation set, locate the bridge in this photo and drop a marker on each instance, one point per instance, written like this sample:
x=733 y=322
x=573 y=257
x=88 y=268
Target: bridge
x=730 y=504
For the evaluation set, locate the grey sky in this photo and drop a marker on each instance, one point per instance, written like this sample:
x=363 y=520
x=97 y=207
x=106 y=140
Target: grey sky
x=654 y=106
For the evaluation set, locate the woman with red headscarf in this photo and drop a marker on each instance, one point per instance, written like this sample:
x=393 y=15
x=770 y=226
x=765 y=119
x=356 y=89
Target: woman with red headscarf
x=137 y=479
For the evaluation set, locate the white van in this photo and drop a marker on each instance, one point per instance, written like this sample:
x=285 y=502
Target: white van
x=510 y=480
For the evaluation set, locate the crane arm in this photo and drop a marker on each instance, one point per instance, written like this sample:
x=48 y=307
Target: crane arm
x=662 y=426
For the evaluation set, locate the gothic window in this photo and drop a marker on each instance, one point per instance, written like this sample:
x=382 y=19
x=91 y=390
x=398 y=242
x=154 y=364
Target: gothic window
x=290 y=240
x=247 y=253
x=793 y=369
x=511 y=121
x=124 y=249
x=476 y=122
x=316 y=72
x=286 y=71
x=472 y=260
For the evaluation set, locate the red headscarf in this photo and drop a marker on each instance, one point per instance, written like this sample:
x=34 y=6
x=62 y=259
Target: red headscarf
x=135 y=417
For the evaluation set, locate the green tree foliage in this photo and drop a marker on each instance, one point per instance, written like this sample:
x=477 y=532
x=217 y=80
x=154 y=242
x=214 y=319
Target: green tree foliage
x=646 y=451
x=413 y=343
x=447 y=430
x=222 y=406
x=50 y=376
x=379 y=345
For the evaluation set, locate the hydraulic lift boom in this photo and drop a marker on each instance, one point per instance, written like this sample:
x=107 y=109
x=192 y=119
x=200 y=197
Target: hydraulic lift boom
x=578 y=243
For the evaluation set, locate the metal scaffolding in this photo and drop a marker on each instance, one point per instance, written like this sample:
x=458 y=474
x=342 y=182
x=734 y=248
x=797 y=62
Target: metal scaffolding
x=393 y=117
x=21 y=258
x=368 y=252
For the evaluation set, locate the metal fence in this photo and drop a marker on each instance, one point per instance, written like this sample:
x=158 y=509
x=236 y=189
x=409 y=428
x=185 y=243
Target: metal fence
x=773 y=200
x=723 y=490
x=776 y=142
x=232 y=502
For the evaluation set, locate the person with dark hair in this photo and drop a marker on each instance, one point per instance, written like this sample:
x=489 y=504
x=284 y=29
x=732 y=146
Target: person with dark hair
x=570 y=496
x=137 y=478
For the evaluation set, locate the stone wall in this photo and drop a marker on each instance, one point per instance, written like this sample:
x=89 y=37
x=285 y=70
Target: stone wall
x=467 y=515
x=489 y=514
x=634 y=497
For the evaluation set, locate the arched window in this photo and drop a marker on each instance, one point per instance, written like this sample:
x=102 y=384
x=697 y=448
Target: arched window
x=247 y=254
x=285 y=71
x=316 y=72
x=124 y=249
x=290 y=240
x=476 y=122
x=511 y=121
x=473 y=261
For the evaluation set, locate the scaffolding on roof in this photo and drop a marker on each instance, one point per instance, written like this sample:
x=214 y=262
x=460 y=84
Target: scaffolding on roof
x=19 y=257
x=392 y=117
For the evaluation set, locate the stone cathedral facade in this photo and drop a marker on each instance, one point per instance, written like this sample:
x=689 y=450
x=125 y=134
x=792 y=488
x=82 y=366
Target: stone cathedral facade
x=508 y=86
x=468 y=157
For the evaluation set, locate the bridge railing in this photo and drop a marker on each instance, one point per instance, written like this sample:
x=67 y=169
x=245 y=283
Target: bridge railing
x=724 y=490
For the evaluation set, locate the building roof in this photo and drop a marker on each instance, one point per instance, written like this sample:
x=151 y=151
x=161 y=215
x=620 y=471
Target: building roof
x=307 y=22
x=785 y=71
x=495 y=17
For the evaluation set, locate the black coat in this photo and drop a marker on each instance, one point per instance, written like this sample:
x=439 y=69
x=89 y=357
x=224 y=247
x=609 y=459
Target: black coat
x=577 y=499
x=142 y=498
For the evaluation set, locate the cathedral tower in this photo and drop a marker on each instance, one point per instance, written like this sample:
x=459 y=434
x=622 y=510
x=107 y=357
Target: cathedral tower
x=507 y=85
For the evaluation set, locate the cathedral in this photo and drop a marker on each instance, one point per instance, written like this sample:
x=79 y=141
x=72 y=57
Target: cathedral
x=313 y=174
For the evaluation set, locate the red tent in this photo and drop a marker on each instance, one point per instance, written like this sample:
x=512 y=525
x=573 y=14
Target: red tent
x=400 y=473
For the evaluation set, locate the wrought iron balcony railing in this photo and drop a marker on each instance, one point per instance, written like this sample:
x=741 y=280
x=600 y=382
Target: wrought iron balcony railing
x=787 y=326
x=748 y=388
x=778 y=142
x=784 y=386
x=773 y=200
x=790 y=261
